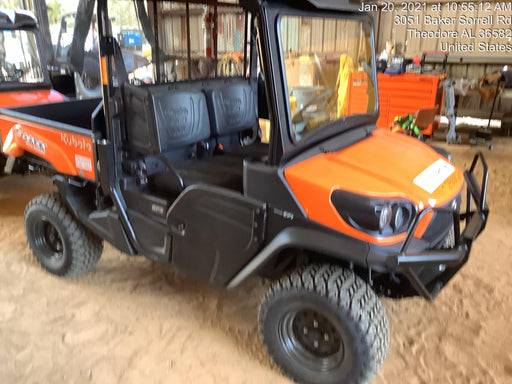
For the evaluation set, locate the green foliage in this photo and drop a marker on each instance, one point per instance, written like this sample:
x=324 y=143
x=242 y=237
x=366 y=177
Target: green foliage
x=122 y=14
x=12 y=4
x=54 y=11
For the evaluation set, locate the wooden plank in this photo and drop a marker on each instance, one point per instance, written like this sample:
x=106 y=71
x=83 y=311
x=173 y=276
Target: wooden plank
x=386 y=28
x=448 y=13
x=305 y=36
x=413 y=44
x=478 y=39
x=317 y=29
x=329 y=36
x=341 y=41
x=398 y=33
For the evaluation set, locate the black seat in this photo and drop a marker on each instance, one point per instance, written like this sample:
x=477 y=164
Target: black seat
x=232 y=111
x=168 y=125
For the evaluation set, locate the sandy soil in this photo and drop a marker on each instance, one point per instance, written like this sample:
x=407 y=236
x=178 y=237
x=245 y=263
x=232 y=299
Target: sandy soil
x=132 y=321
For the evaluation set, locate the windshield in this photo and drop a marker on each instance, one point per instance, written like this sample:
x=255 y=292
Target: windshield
x=19 y=57
x=329 y=70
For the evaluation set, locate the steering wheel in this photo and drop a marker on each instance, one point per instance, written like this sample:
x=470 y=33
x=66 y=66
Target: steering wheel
x=319 y=99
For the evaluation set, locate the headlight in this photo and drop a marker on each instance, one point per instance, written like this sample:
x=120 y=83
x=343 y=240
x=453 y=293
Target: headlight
x=373 y=215
x=384 y=216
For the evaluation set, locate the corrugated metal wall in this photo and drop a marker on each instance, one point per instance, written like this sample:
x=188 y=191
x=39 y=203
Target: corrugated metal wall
x=388 y=27
x=470 y=65
x=230 y=27
x=320 y=36
x=407 y=43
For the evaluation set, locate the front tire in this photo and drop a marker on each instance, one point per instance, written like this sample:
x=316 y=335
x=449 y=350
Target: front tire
x=323 y=324
x=62 y=245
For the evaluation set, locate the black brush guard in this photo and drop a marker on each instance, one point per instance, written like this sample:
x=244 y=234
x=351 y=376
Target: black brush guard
x=448 y=261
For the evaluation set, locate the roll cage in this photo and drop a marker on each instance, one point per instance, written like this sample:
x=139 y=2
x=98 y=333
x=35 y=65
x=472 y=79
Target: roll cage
x=264 y=21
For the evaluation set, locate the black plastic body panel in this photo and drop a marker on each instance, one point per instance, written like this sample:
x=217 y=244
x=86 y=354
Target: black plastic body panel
x=147 y=213
x=80 y=197
x=264 y=183
x=153 y=237
x=215 y=232
x=108 y=225
x=105 y=157
x=142 y=201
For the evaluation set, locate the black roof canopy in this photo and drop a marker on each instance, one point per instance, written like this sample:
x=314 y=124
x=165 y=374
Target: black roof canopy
x=252 y=5
x=15 y=19
x=334 y=5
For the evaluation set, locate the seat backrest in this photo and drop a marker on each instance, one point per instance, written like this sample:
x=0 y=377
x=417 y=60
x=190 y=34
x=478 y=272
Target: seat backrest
x=232 y=107
x=160 y=120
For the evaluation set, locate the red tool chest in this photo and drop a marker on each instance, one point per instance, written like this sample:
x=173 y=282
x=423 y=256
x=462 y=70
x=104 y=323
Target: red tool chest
x=406 y=93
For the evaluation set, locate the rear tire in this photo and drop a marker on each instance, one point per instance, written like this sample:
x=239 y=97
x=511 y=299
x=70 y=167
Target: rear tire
x=62 y=245
x=323 y=324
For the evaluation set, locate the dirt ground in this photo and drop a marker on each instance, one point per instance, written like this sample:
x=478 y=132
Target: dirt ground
x=133 y=321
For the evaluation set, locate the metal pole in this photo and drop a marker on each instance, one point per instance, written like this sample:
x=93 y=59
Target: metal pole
x=189 y=59
x=41 y=11
x=215 y=35
x=494 y=102
x=246 y=19
x=157 y=41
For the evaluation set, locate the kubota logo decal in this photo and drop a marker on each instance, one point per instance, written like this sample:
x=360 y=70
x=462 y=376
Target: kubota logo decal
x=32 y=142
x=72 y=141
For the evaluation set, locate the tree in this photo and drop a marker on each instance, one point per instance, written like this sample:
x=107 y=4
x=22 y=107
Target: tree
x=54 y=11
x=11 y=4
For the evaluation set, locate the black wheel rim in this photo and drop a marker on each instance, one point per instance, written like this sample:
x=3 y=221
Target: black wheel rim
x=312 y=339
x=49 y=242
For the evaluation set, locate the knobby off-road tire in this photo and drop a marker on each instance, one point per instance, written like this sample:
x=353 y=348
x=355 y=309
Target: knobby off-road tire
x=324 y=325
x=62 y=245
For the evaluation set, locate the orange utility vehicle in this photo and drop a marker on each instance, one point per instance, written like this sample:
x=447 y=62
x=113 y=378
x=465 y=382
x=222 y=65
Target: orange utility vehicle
x=333 y=211
x=24 y=78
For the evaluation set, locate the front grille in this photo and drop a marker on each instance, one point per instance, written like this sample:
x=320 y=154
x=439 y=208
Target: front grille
x=440 y=225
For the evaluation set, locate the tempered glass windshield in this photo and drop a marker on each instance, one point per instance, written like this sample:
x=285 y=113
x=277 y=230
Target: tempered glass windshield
x=19 y=57
x=329 y=70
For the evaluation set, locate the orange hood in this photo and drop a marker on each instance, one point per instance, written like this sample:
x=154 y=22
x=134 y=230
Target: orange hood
x=384 y=165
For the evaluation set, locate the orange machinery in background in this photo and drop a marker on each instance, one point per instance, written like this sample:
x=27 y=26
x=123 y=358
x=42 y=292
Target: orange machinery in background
x=408 y=93
x=398 y=96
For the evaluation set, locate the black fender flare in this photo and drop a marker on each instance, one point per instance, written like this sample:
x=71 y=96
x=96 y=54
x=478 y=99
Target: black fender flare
x=336 y=246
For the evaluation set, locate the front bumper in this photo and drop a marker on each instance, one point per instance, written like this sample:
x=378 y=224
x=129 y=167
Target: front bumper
x=418 y=267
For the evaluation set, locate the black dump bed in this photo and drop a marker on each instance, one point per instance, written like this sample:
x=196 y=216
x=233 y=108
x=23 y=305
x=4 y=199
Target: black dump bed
x=76 y=113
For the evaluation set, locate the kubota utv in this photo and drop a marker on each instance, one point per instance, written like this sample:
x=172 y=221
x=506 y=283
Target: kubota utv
x=24 y=78
x=332 y=211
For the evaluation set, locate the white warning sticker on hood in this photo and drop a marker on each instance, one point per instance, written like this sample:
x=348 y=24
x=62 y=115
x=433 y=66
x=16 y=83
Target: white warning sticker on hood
x=434 y=175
